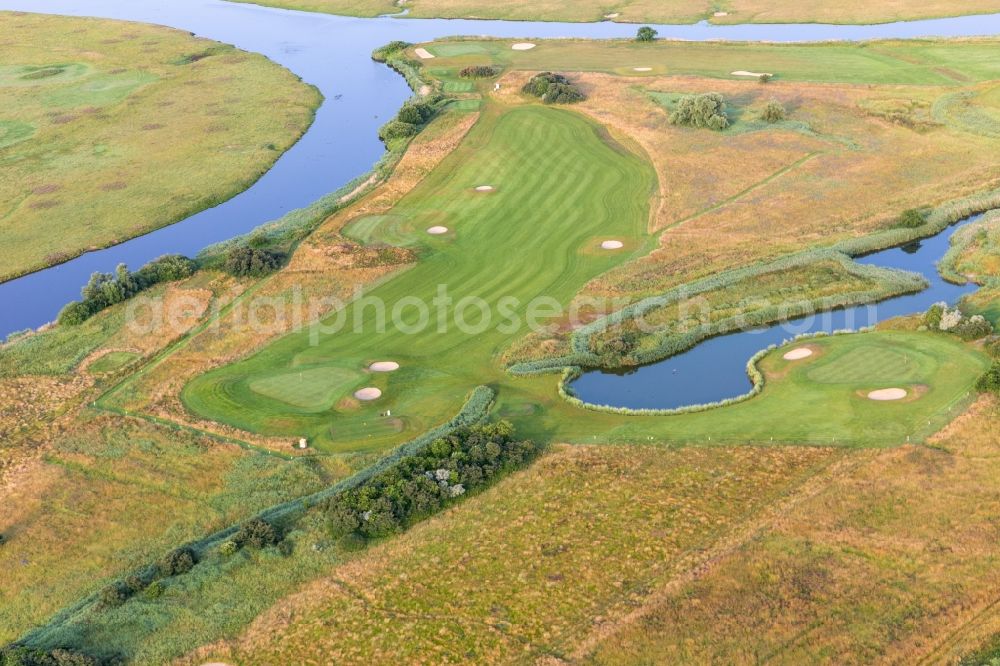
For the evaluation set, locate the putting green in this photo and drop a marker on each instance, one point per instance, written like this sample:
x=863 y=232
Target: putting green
x=873 y=363
x=313 y=389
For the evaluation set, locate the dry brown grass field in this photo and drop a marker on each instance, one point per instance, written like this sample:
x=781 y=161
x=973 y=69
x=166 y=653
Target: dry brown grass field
x=87 y=116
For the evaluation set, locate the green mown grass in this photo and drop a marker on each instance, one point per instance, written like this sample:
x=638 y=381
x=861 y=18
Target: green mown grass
x=560 y=188
x=560 y=185
x=112 y=361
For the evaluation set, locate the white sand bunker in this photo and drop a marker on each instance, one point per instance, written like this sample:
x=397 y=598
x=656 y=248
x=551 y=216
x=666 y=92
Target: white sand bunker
x=423 y=53
x=642 y=69
x=368 y=393
x=887 y=394
x=437 y=231
x=798 y=354
x=484 y=188
x=719 y=14
x=523 y=46
x=613 y=15
x=612 y=245
x=743 y=72
x=384 y=366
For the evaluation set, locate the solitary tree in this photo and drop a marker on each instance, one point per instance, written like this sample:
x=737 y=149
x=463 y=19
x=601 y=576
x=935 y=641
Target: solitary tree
x=645 y=34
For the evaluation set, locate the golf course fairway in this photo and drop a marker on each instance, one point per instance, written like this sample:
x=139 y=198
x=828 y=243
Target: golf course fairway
x=561 y=187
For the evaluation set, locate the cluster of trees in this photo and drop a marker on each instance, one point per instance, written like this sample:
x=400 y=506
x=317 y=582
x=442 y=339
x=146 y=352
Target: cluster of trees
x=419 y=485
x=247 y=261
x=940 y=317
x=408 y=122
x=255 y=533
x=15 y=655
x=479 y=72
x=773 y=112
x=553 y=89
x=704 y=110
x=646 y=34
x=105 y=289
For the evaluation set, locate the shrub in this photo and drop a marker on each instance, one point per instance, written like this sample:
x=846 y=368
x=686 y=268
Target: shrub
x=397 y=129
x=245 y=261
x=975 y=327
x=114 y=595
x=990 y=381
x=177 y=562
x=479 y=72
x=74 y=314
x=704 y=110
x=228 y=548
x=645 y=34
x=764 y=78
x=932 y=318
x=24 y=656
x=154 y=590
x=553 y=89
x=383 y=53
x=3 y=538
x=134 y=584
x=910 y=219
x=256 y=533
x=773 y=112
x=168 y=268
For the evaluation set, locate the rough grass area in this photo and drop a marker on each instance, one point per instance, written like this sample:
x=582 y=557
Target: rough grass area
x=526 y=569
x=111 y=494
x=892 y=561
x=655 y=11
x=103 y=121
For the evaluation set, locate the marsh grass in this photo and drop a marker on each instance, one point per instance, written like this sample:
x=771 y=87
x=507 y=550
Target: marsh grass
x=80 y=135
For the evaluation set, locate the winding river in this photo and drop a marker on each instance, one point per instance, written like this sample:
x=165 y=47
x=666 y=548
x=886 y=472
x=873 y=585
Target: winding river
x=332 y=53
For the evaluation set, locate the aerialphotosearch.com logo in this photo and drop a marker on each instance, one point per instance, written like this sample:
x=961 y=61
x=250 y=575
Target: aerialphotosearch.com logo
x=443 y=313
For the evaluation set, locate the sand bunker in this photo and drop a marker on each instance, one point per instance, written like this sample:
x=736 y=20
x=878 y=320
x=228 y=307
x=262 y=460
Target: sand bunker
x=368 y=393
x=887 y=394
x=718 y=14
x=383 y=366
x=423 y=53
x=437 y=231
x=612 y=16
x=612 y=245
x=642 y=69
x=484 y=188
x=798 y=354
x=743 y=72
x=523 y=46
